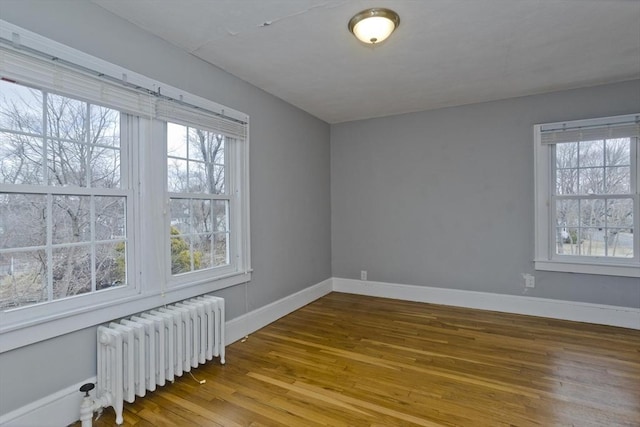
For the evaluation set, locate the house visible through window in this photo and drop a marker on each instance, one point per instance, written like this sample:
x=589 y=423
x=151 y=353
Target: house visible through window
x=587 y=189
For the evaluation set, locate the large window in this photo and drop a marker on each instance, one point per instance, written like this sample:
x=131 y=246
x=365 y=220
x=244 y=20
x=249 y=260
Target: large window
x=63 y=197
x=587 y=196
x=117 y=193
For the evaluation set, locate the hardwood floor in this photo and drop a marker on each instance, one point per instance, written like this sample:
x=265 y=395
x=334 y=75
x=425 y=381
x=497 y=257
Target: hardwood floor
x=348 y=360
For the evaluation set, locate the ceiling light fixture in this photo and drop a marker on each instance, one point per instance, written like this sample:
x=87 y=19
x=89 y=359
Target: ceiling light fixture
x=374 y=25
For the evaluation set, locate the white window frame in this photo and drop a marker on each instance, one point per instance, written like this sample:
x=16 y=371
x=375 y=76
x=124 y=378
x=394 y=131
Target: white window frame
x=545 y=254
x=149 y=285
x=236 y=181
x=33 y=314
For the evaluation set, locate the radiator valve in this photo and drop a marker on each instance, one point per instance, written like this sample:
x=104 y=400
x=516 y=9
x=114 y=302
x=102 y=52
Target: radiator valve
x=89 y=406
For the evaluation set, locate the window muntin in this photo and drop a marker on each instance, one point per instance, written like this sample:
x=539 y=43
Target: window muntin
x=587 y=202
x=63 y=199
x=197 y=169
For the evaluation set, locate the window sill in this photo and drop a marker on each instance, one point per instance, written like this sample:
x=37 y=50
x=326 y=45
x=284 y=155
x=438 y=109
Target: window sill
x=22 y=334
x=622 y=270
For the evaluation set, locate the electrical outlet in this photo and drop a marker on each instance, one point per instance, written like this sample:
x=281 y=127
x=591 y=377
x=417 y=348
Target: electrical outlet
x=529 y=280
x=363 y=275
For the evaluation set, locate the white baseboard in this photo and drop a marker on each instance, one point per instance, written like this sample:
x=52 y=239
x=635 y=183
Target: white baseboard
x=58 y=409
x=626 y=317
x=242 y=326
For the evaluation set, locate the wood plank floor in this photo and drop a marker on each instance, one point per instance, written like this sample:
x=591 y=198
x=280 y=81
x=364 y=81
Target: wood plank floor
x=348 y=360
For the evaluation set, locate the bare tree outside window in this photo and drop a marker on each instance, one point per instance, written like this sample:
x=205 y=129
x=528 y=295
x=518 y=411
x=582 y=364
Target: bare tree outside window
x=62 y=225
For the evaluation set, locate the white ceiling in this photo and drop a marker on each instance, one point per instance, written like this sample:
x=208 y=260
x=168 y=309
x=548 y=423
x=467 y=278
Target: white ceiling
x=445 y=52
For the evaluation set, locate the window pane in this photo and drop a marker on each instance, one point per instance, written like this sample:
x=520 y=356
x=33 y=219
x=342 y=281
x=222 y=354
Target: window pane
x=22 y=220
x=591 y=153
x=202 y=251
x=67 y=163
x=111 y=263
x=202 y=220
x=71 y=219
x=592 y=241
x=620 y=242
x=176 y=140
x=592 y=213
x=22 y=278
x=110 y=217
x=71 y=271
x=221 y=248
x=567 y=213
x=197 y=178
x=180 y=254
x=218 y=186
x=566 y=181
x=566 y=155
x=105 y=167
x=177 y=175
x=618 y=152
x=105 y=126
x=618 y=180
x=66 y=118
x=620 y=212
x=20 y=159
x=221 y=215
x=20 y=108
x=180 y=216
x=198 y=149
x=591 y=180
x=206 y=146
x=567 y=241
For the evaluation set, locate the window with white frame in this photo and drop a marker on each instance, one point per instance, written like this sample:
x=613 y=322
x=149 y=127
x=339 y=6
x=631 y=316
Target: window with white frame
x=199 y=221
x=206 y=171
x=63 y=197
x=82 y=211
x=587 y=196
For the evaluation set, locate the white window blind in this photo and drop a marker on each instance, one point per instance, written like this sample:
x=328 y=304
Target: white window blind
x=59 y=78
x=173 y=111
x=623 y=127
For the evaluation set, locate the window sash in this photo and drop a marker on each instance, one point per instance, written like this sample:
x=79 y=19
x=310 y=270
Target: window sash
x=233 y=216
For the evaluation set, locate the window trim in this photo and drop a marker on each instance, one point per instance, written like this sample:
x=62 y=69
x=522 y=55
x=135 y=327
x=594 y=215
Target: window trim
x=545 y=257
x=151 y=286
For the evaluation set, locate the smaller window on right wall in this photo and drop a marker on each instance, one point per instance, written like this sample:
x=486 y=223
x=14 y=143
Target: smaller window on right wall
x=587 y=203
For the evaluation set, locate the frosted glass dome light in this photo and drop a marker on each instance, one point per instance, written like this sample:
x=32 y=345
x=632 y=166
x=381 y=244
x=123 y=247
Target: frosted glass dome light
x=373 y=26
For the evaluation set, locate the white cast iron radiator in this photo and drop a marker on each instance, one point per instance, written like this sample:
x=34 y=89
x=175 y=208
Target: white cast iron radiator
x=146 y=350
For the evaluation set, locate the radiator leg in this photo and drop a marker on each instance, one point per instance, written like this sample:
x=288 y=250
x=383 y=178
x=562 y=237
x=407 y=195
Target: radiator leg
x=119 y=407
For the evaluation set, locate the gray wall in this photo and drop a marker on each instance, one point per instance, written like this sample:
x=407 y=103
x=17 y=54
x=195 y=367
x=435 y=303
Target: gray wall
x=290 y=197
x=445 y=198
